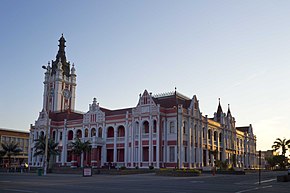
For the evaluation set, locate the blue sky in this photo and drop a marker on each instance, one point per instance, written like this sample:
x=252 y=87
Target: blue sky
x=234 y=50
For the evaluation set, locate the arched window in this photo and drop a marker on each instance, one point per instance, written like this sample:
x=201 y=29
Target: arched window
x=60 y=135
x=209 y=134
x=79 y=133
x=184 y=127
x=110 y=132
x=42 y=133
x=53 y=135
x=121 y=131
x=70 y=135
x=154 y=126
x=86 y=132
x=136 y=128
x=171 y=127
x=93 y=132
x=215 y=136
x=220 y=137
x=145 y=128
x=100 y=132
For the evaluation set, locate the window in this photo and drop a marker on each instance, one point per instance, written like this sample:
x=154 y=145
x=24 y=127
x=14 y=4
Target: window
x=100 y=132
x=60 y=135
x=215 y=136
x=70 y=135
x=136 y=128
x=209 y=134
x=53 y=135
x=79 y=133
x=145 y=127
x=110 y=132
x=121 y=131
x=184 y=128
x=154 y=126
x=86 y=132
x=93 y=132
x=171 y=154
x=171 y=127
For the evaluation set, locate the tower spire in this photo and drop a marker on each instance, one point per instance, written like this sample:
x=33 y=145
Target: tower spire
x=61 y=57
x=229 y=110
x=219 y=111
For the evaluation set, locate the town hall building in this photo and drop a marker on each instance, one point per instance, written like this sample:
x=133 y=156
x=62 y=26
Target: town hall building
x=162 y=130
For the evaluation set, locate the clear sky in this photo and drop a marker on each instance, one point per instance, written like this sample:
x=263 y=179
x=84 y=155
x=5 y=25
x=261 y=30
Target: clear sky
x=238 y=51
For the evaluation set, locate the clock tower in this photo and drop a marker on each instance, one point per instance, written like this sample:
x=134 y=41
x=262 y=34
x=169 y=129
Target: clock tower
x=59 y=83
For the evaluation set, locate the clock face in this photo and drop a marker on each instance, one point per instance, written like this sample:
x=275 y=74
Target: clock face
x=66 y=93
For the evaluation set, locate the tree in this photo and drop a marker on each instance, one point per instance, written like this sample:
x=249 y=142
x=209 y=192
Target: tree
x=278 y=160
x=10 y=149
x=40 y=148
x=79 y=147
x=2 y=153
x=283 y=144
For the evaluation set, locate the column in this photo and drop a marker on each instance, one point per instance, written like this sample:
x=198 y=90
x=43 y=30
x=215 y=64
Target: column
x=218 y=146
x=115 y=144
x=94 y=154
x=133 y=141
x=139 y=143
x=180 y=141
x=205 y=130
x=189 y=144
x=126 y=141
x=158 y=140
x=224 y=145
x=193 y=158
x=150 y=160
x=64 y=145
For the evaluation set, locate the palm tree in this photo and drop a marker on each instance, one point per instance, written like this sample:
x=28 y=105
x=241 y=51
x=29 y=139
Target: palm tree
x=79 y=147
x=10 y=149
x=40 y=148
x=283 y=144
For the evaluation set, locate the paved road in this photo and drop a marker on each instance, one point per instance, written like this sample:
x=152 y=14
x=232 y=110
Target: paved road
x=142 y=183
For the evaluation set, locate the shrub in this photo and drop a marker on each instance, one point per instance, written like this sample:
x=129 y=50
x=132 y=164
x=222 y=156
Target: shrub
x=122 y=167
x=151 y=167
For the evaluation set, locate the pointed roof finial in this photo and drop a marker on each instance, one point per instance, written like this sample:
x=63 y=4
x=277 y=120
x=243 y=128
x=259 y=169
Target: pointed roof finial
x=219 y=110
x=229 y=111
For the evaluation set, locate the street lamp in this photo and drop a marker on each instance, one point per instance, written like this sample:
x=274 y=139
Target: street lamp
x=48 y=68
x=177 y=129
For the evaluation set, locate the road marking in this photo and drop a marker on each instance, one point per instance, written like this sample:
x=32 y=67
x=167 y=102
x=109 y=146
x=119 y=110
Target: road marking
x=16 y=190
x=264 y=181
x=248 y=190
x=197 y=181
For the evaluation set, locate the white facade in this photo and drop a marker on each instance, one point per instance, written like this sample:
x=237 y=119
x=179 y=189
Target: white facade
x=165 y=130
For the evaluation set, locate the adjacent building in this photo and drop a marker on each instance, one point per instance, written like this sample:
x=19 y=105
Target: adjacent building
x=19 y=137
x=162 y=130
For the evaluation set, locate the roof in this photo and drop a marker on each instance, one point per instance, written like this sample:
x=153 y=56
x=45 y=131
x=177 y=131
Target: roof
x=60 y=116
x=243 y=129
x=171 y=99
x=14 y=130
x=115 y=112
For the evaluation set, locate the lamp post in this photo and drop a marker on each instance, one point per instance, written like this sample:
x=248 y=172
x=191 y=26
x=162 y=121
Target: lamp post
x=48 y=68
x=177 y=129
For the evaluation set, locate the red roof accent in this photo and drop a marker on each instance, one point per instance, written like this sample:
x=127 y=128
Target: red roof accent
x=60 y=116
